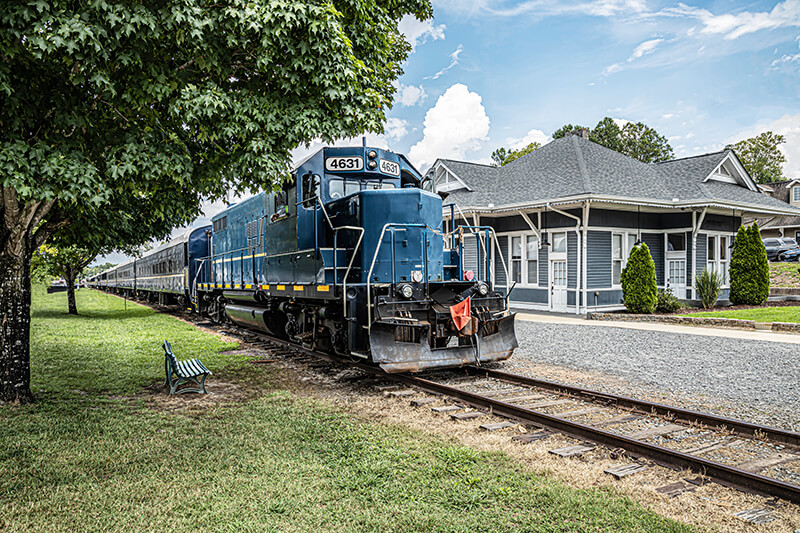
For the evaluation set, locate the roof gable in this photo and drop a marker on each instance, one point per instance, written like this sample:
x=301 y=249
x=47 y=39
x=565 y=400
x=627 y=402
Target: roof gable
x=731 y=170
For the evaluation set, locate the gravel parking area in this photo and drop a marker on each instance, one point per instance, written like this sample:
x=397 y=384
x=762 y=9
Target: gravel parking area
x=754 y=380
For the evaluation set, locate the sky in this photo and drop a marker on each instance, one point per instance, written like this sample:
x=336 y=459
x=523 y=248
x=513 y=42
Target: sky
x=489 y=73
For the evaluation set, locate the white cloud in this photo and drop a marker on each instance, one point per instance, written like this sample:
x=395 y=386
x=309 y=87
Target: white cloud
x=735 y=25
x=455 y=126
x=417 y=32
x=546 y=8
x=533 y=136
x=786 y=59
x=453 y=62
x=789 y=127
x=667 y=116
x=611 y=69
x=647 y=47
x=410 y=95
x=395 y=128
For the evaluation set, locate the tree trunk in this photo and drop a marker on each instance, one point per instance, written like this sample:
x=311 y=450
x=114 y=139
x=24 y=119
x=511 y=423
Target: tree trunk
x=15 y=321
x=70 y=279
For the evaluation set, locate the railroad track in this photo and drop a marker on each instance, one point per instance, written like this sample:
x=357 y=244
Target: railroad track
x=669 y=436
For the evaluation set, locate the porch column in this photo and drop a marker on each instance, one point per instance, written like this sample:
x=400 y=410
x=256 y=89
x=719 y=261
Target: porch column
x=696 y=225
x=585 y=265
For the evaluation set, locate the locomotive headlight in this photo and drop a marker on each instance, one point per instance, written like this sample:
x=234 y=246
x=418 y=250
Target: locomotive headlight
x=372 y=165
x=483 y=289
x=416 y=276
x=406 y=291
x=372 y=154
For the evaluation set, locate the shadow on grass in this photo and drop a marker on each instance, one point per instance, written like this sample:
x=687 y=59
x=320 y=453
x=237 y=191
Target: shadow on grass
x=109 y=314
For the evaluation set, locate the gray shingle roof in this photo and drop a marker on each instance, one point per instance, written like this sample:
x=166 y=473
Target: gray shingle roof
x=573 y=166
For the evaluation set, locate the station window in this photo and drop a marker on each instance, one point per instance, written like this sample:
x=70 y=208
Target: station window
x=676 y=242
x=717 y=258
x=621 y=245
x=342 y=188
x=524 y=259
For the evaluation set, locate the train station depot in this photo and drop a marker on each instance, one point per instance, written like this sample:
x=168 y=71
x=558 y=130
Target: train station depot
x=567 y=215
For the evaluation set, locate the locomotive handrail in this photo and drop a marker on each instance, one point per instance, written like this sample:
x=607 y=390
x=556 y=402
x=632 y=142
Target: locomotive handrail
x=335 y=230
x=194 y=281
x=496 y=243
x=375 y=258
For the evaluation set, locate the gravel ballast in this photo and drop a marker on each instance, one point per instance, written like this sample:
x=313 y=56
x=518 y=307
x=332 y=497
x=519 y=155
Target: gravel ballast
x=749 y=379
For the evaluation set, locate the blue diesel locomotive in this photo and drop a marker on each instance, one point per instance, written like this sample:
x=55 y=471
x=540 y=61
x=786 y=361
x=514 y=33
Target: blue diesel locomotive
x=349 y=256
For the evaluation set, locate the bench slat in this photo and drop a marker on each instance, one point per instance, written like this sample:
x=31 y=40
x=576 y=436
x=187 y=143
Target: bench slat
x=195 y=369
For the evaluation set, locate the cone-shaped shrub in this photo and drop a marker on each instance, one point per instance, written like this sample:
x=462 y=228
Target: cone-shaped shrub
x=639 y=281
x=749 y=270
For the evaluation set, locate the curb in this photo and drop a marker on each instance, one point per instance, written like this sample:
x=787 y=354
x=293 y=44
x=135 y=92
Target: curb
x=783 y=327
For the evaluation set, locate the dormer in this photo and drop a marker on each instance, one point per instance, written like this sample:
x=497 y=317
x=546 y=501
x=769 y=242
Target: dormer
x=445 y=180
x=730 y=170
x=793 y=188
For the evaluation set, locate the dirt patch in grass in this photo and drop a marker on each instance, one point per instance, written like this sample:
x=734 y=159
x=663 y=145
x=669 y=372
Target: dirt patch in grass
x=784 y=275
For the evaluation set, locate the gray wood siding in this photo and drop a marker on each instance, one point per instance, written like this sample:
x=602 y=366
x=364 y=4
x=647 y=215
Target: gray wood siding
x=655 y=241
x=500 y=259
x=689 y=265
x=572 y=259
x=544 y=252
x=702 y=252
x=598 y=275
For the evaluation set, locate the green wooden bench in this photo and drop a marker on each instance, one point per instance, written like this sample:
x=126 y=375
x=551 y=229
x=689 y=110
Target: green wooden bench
x=181 y=372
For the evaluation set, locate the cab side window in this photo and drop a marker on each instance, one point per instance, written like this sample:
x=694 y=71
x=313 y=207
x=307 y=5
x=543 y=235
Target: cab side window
x=311 y=189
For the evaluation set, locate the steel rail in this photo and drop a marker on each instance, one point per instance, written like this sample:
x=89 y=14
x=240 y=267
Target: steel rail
x=686 y=416
x=723 y=474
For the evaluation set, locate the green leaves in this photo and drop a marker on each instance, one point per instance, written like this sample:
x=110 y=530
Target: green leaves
x=761 y=156
x=636 y=140
x=639 y=281
x=156 y=106
x=749 y=269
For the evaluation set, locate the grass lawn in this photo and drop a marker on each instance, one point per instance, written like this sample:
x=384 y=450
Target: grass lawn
x=759 y=314
x=95 y=455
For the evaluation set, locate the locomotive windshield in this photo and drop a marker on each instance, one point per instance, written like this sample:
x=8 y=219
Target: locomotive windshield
x=339 y=188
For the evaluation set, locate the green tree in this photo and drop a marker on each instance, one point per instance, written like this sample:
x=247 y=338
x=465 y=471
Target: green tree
x=636 y=140
x=68 y=263
x=642 y=142
x=92 y=271
x=761 y=156
x=502 y=157
x=114 y=108
x=567 y=128
x=638 y=280
x=749 y=268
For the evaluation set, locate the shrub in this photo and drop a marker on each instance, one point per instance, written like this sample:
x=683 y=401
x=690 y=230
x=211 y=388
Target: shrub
x=639 y=281
x=749 y=270
x=708 y=286
x=667 y=302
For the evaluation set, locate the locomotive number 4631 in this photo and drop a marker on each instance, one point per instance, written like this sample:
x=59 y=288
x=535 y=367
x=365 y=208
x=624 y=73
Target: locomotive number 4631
x=344 y=163
x=390 y=167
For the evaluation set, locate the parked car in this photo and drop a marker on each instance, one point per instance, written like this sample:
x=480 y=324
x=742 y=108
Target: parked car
x=777 y=247
x=790 y=255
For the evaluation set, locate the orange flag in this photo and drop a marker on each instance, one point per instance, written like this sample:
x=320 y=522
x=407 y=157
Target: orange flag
x=461 y=313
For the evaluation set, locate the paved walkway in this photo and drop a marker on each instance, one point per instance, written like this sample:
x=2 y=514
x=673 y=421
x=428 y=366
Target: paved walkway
x=728 y=333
